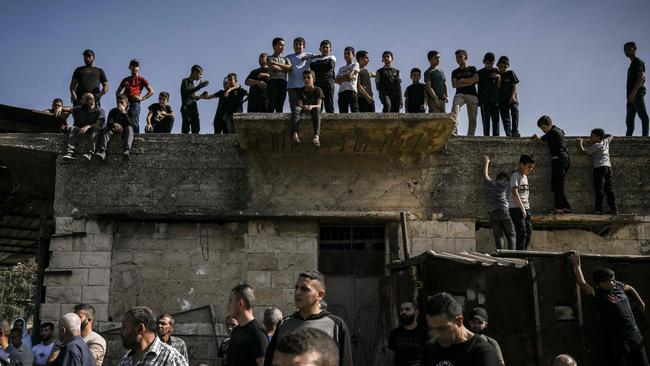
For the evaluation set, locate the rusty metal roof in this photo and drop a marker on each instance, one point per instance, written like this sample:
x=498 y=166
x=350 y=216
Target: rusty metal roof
x=469 y=258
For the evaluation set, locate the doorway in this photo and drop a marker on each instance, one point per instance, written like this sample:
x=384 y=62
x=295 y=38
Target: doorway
x=352 y=257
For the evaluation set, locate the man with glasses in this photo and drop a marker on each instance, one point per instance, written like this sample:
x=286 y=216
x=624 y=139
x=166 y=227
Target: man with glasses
x=454 y=344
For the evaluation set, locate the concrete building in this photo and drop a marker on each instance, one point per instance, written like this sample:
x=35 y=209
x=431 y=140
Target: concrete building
x=191 y=216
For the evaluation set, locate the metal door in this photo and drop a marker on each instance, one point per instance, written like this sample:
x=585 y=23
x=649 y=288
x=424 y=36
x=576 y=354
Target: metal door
x=356 y=300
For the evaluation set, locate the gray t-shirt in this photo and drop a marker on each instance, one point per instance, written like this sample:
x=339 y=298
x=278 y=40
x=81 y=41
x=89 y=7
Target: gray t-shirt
x=277 y=74
x=299 y=66
x=496 y=347
x=437 y=79
x=520 y=181
x=497 y=194
x=599 y=153
x=364 y=80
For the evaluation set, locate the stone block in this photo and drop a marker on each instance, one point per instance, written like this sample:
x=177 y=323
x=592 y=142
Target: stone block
x=464 y=245
x=68 y=225
x=92 y=227
x=420 y=245
x=262 y=227
x=63 y=260
x=103 y=241
x=629 y=232
x=441 y=245
x=417 y=229
x=147 y=258
x=95 y=294
x=306 y=245
x=283 y=279
x=287 y=296
x=67 y=308
x=298 y=228
x=120 y=257
x=267 y=296
x=95 y=259
x=234 y=258
x=101 y=313
x=645 y=231
x=623 y=247
x=259 y=279
x=263 y=262
x=297 y=262
x=257 y=243
x=50 y=312
x=83 y=243
x=232 y=272
x=77 y=277
x=99 y=276
x=462 y=229
x=61 y=243
x=63 y=294
x=437 y=229
x=176 y=258
x=282 y=244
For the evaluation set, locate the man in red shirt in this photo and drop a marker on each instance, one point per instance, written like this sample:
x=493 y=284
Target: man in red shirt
x=132 y=87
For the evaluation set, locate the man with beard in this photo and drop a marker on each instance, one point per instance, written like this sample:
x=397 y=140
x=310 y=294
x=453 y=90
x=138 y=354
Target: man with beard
x=477 y=323
x=74 y=350
x=405 y=343
x=308 y=294
x=138 y=335
x=95 y=342
x=44 y=350
x=165 y=328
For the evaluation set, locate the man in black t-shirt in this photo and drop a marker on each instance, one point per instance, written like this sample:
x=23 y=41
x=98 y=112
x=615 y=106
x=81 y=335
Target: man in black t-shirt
x=258 y=100
x=508 y=100
x=324 y=66
x=248 y=340
x=560 y=162
x=310 y=100
x=405 y=343
x=189 y=109
x=622 y=338
x=488 y=94
x=454 y=344
x=464 y=79
x=231 y=99
x=635 y=91
x=87 y=79
x=160 y=118
x=415 y=95
x=119 y=121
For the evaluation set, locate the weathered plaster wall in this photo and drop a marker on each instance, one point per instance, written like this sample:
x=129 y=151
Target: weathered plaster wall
x=209 y=176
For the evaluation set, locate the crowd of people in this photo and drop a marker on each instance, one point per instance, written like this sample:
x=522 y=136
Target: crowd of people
x=309 y=80
x=314 y=336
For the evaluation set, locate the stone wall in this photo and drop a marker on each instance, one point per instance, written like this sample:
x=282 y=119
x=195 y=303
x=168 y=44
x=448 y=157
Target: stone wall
x=79 y=268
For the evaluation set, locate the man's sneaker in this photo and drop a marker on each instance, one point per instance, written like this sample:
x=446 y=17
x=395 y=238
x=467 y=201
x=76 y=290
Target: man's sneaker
x=126 y=156
x=101 y=155
x=316 y=141
x=68 y=156
x=88 y=156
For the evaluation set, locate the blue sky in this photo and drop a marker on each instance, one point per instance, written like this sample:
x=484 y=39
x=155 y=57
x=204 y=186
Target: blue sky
x=568 y=54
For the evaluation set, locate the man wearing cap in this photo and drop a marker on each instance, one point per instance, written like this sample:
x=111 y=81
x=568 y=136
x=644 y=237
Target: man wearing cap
x=406 y=342
x=87 y=79
x=132 y=86
x=477 y=323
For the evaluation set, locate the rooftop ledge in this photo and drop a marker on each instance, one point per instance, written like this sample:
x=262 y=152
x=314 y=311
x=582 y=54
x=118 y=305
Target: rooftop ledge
x=342 y=133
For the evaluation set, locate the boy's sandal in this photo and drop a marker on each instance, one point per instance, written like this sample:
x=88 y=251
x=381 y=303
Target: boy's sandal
x=316 y=141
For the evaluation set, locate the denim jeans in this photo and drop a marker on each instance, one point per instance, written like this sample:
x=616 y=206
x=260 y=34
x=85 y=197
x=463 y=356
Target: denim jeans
x=348 y=101
x=503 y=228
x=127 y=138
x=523 y=228
x=510 y=117
x=490 y=111
x=134 y=113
